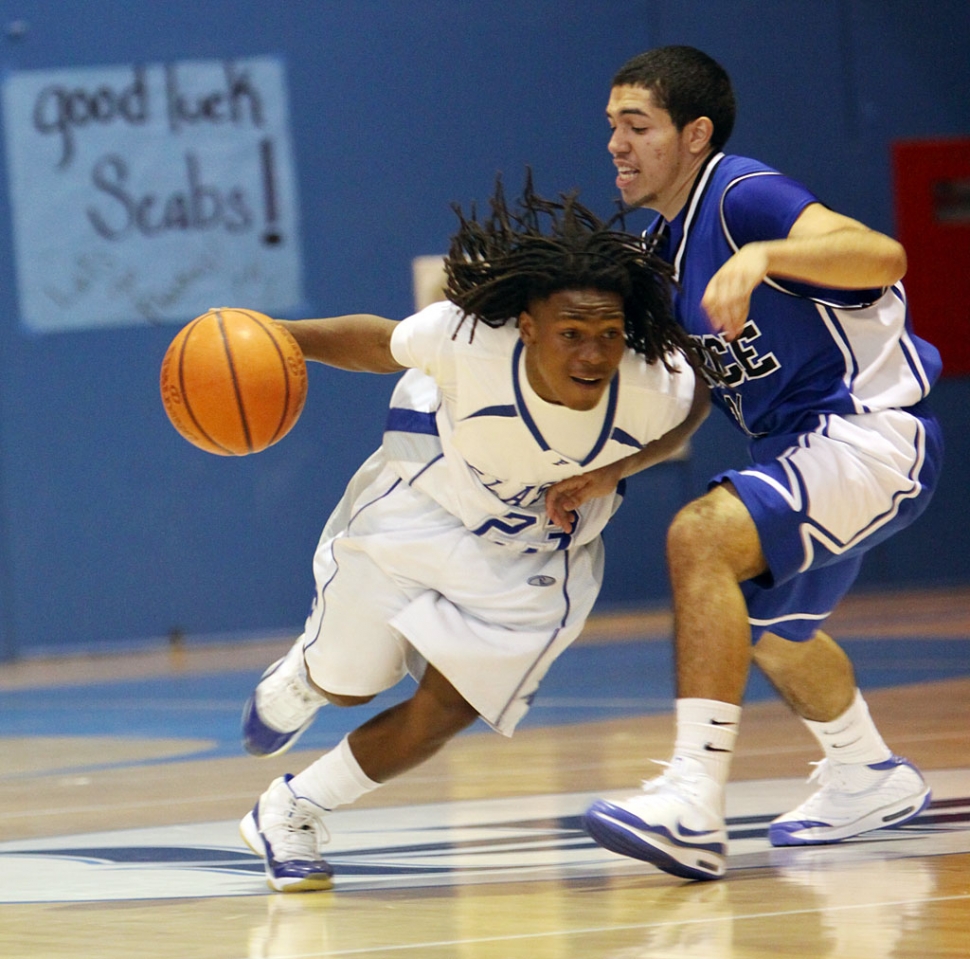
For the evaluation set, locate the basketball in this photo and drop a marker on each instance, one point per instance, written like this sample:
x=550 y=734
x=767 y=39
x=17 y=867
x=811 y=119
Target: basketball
x=233 y=382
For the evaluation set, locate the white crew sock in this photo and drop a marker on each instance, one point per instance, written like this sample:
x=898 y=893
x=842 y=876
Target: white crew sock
x=706 y=731
x=335 y=779
x=852 y=737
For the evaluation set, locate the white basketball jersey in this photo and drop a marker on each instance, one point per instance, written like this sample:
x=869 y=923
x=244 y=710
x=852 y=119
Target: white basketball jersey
x=459 y=428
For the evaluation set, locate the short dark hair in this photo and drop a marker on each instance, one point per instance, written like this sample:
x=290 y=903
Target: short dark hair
x=497 y=267
x=687 y=83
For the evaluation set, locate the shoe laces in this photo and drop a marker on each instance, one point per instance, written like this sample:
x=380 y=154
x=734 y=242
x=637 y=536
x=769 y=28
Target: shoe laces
x=848 y=778
x=683 y=781
x=676 y=775
x=300 y=833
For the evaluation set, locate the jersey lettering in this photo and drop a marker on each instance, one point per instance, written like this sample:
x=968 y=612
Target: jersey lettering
x=512 y=494
x=511 y=524
x=733 y=362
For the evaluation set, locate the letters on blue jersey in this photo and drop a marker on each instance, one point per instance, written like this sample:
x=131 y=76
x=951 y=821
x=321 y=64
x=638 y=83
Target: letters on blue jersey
x=736 y=361
x=730 y=363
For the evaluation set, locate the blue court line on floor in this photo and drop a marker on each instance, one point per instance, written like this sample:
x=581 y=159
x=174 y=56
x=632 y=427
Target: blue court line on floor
x=588 y=683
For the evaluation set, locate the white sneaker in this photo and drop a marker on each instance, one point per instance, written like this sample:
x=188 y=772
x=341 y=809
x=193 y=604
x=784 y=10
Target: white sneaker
x=676 y=823
x=287 y=831
x=853 y=798
x=281 y=707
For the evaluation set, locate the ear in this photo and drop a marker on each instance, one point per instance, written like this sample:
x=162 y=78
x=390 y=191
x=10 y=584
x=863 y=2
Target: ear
x=698 y=133
x=527 y=328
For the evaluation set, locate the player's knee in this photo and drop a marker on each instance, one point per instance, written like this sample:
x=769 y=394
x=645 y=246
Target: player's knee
x=694 y=531
x=714 y=532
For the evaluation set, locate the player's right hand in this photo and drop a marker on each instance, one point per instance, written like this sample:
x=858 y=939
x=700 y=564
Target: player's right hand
x=566 y=496
x=727 y=299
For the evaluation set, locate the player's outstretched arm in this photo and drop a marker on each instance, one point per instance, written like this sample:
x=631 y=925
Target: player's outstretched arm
x=823 y=247
x=569 y=494
x=360 y=342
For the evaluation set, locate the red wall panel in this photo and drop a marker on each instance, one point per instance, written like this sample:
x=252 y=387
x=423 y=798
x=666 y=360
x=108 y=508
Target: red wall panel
x=932 y=200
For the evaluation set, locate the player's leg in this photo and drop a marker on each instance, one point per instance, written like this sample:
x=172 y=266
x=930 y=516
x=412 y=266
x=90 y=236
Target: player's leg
x=391 y=743
x=677 y=821
x=348 y=654
x=852 y=484
x=285 y=825
x=862 y=784
x=712 y=545
x=287 y=698
x=815 y=677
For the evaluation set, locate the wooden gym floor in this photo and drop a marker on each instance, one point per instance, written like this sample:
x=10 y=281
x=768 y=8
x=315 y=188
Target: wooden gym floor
x=122 y=782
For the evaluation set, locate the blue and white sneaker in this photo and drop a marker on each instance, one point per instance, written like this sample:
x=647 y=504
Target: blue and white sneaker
x=853 y=798
x=281 y=707
x=287 y=831
x=676 y=823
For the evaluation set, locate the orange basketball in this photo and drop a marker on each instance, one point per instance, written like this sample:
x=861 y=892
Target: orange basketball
x=233 y=382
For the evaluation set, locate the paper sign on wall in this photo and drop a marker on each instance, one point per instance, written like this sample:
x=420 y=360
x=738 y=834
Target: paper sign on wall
x=149 y=193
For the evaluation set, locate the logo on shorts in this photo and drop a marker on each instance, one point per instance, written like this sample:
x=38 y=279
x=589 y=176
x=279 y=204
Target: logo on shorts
x=542 y=580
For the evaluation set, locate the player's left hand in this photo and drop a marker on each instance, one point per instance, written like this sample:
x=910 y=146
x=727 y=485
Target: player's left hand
x=727 y=298
x=566 y=496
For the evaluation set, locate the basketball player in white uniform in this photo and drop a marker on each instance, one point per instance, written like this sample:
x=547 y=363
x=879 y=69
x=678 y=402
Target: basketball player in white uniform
x=555 y=354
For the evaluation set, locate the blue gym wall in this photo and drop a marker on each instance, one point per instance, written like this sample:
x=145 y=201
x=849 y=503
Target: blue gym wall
x=114 y=530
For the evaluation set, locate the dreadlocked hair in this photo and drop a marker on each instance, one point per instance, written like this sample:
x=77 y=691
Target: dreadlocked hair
x=498 y=266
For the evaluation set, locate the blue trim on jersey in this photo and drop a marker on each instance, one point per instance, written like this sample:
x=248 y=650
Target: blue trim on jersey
x=400 y=420
x=508 y=410
x=607 y=430
x=523 y=410
x=621 y=436
x=424 y=469
x=520 y=399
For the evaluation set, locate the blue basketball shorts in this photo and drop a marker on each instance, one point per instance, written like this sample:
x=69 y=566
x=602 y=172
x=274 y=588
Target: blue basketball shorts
x=822 y=499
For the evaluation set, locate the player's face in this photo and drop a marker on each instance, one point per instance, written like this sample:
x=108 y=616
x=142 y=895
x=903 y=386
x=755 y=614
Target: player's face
x=655 y=161
x=574 y=341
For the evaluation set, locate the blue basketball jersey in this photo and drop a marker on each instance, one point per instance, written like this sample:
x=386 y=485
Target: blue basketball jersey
x=805 y=351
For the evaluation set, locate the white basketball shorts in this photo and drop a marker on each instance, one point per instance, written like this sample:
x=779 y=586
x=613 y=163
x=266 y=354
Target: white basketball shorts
x=400 y=582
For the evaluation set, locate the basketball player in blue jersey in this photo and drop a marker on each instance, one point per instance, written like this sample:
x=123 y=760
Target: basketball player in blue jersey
x=556 y=353
x=807 y=342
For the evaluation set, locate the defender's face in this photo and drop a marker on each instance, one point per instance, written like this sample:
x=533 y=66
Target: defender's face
x=651 y=156
x=574 y=341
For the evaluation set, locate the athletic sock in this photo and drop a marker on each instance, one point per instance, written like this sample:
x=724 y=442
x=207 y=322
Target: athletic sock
x=851 y=737
x=706 y=731
x=335 y=779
